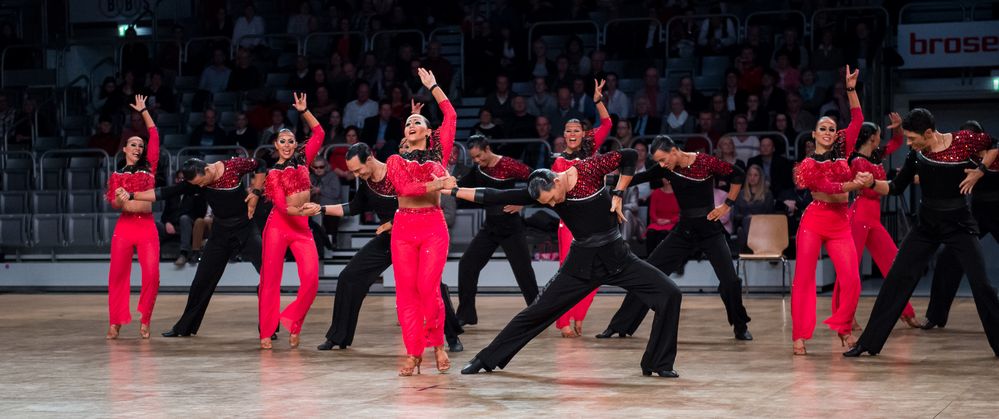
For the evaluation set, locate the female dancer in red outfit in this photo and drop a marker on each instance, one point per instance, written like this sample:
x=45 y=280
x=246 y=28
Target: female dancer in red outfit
x=135 y=229
x=866 y=211
x=419 y=234
x=827 y=220
x=577 y=147
x=287 y=227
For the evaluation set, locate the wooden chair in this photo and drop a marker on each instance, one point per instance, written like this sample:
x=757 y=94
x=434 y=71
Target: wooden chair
x=767 y=239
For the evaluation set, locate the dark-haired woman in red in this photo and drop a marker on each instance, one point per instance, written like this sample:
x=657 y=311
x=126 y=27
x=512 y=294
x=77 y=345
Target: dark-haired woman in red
x=135 y=230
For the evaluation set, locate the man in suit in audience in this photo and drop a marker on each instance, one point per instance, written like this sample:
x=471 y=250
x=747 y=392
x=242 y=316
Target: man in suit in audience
x=777 y=169
x=644 y=123
x=383 y=131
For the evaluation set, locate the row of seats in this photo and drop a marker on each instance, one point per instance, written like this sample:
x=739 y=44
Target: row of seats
x=80 y=231
x=56 y=202
x=54 y=176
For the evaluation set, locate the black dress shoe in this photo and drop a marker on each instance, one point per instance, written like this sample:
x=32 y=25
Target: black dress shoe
x=930 y=325
x=609 y=333
x=329 y=344
x=455 y=346
x=662 y=373
x=463 y=323
x=856 y=351
x=743 y=335
x=173 y=334
x=475 y=366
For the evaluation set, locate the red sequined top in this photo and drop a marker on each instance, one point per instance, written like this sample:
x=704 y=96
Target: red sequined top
x=137 y=178
x=873 y=164
x=292 y=176
x=411 y=171
x=235 y=168
x=596 y=136
x=508 y=169
x=827 y=172
x=964 y=147
x=591 y=172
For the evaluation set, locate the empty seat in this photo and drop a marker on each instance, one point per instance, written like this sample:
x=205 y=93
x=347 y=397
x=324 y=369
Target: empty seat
x=46 y=202
x=176 y=141
x=714 y=65
x=187 y=101
x=81 y=201
x=225 y=101
x=228 y=120
x=12 y=202
x=277 y=80
x=83 y=230
x=46 y=230
x=194 y=120
x=82 y=173
x=77 y=124
x=46 y=143
x=17 y=178
x=77 y=141
x=186 y=83
x=680 y=64
x=13 y=230
x=170 y=123
x=50 y=170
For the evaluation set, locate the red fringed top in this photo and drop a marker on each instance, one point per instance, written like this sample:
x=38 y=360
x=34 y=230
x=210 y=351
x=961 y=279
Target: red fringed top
x=595 y=136
x=410 y=172
x=137 y=178
x=292 y=176
x=828 y=171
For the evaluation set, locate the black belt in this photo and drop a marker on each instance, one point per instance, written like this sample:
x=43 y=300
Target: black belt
x=230 y=222
x=598 y=239
x=985 y=196
x=945 y=204
x=695 y=212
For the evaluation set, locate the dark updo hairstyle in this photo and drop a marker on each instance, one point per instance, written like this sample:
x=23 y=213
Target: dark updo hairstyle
x=541 y=180
x=478 y=141
x=973 y=126
x=662 y=143
x=359 y=150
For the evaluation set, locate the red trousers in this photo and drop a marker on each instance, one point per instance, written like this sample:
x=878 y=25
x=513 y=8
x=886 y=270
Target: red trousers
x=868 y=232
x=136 y=233
x=282 y=232
x=829 y=224
x=419 y=251
x=577 y=312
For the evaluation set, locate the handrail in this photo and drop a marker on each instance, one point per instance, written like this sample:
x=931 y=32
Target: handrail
x=761 y=134
x=659 y=25
x=738 y=32
x=65 y=91
x=267 y=36
x=806 y=28
x=47 y=154
x=423 y=37
x=187 y=45
x=121 y=50
x=887 y=26
x=309 y=37
x=530 y=32
x=229 y=148
x=3 y=59
x=929 y=4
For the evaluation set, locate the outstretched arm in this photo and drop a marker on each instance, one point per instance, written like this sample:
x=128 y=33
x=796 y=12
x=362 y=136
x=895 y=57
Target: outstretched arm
x=490 y=196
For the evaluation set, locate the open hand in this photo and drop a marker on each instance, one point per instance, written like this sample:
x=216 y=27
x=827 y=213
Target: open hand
x=718 y=212
x=383 y=228
x=415 y=106
x=140 y=103
x=970 y=179
x=300 y=102
x=896 y=120
x=427 y=77
x=512 y=209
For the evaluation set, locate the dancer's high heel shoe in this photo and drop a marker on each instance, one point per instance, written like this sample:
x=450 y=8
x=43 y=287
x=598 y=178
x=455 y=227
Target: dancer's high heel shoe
x=847 y=340
x=799 y=347
x=911 y=322
x=113 y=331
x=412 y=363
x=265 y=343
x=293 y=340
x=578 y=328
x=144 y=331
x=443 y=362
x=569 y=332
x=856 y=326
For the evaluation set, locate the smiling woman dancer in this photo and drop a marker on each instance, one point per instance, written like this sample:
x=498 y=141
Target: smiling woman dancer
x=827 y=221
x=420 y=237
x=288 y=187
x=579 y=145
x=135 y=229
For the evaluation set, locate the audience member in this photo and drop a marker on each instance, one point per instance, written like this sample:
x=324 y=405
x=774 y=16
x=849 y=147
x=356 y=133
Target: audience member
x=746 y=146
x=104 y=137
x=617 y=102
x=498 y=103
x=777 y=169
x=754 y=198
x=209 y=133
x=541 y=102
x=360 y=109
x=644 y=122
x=243 y=135
x=249 y=25
x=656 y=98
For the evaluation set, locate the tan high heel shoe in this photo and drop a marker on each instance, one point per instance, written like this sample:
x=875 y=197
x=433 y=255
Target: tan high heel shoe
x=144 y=331
x=912 y=322
x=443 y=362
x=578 y=328
x=569 y=332
x=412 y=363
x=265 y=343
x=799 y=347
x=113 y=331
x=293 y=340
x=847 y=340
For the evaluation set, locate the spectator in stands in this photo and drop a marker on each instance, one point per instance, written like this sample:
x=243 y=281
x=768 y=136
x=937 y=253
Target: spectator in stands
x=134 y=127
x=383 y=131
x=369 y=71
x=772 y=98
x=693 y=100
x=789 y=77
x=243 y=135
x=326 y=190
x=862 y=47
x=757 y=118
x=706 y=125
x=717 y=35
x=413 y=82
x=298 y=23
x=507 y=49
x=215 y=78
x=644 y=122
x=210 y=133
x=134 y=55
x=558 y=145
x=180 y=213
x=104 y=138
x=622 y=131
x=400 y=102
x=301 y=77
x=386 y=83
x=725 y=151
x=664 y=213
x=617 y=101
x=801 y=120
x=777 y=169
x=168 y=56
x=720 y=113
x=535 y=155
x=160 y=96
x=541 y=65
x=521 y=123
x=750 y=74
x=439 y=65
x=323 y=104
x=498 y=103
x=337 y=157
x=404 y=58
x=656 y=98
x=334 y=128
x=746 y=146
x=360 y=109
x=219 y=24
x=581 y=101
x=564 y=110
x=754 y=198
x=563 y=75
x=760 y=43
x=277 y=124
x=837 y=104
x=731 y=93
x=485 y=126
x=579 y=63
x=796 y=52
x=541 y=102
x=248 y=25
x=828 y=58
x=109 y=99
x=782 y=125
x=346 y=45
x=677 y=120
x=811 y=93
x=598 y=59
x=128 y=87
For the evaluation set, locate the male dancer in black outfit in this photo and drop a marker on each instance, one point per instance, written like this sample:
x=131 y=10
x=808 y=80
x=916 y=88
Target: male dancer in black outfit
x=598 y=256
x=233 y=232
x=503 y=227
x=692 y=176
x=374 y=193
x=948 y=273
x=948 y=165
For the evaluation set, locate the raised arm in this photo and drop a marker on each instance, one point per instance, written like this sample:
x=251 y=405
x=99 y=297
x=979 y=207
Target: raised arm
x=315 y=141
x=856 y=114
x=447 y=129
x=605 y=120
x=153 y=145
x=896 y=134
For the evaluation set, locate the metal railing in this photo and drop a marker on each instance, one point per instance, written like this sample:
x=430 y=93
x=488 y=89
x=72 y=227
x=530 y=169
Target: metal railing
x=423 y=40
x=310 y=38
x=267 y=38
x=93 y=70
x=3 y=59
x=806 y=28
x=934 y=5
x=65 y=92
x=697 y=18
x=681 y=138
x=659 y=27
x=839 y=10
x=194 y=150
x=530 y=32
x=80 y=152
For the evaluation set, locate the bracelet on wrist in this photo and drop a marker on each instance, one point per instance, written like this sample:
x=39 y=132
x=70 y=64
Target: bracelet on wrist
x=144 y=110
x=257 y=192
x=729 y=202
x=435 y=86
x=850 y=89
x=618 y=193
x=454 y=192
x=131 y=196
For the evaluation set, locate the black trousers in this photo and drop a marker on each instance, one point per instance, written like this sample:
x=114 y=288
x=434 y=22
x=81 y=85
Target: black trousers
x=476 y=257
x=647 y=283
x=228 y=239
x=957 y=230
x=357 y=277
x=948 y=274
x=689 y=236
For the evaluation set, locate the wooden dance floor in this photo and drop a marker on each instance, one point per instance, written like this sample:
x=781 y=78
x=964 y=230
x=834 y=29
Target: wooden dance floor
x=56 y=362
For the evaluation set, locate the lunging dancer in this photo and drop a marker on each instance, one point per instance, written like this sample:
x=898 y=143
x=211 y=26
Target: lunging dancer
x=287 y=227
x=948 y=165
x=233 y=231
x=598 y=256
x=420 y=238
x=693 y=177
x=503 y=227
x=135 y=230
x=827 y=221
x=374 y=193
x=948 y=273
x=579 y=145
x=867 y=229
